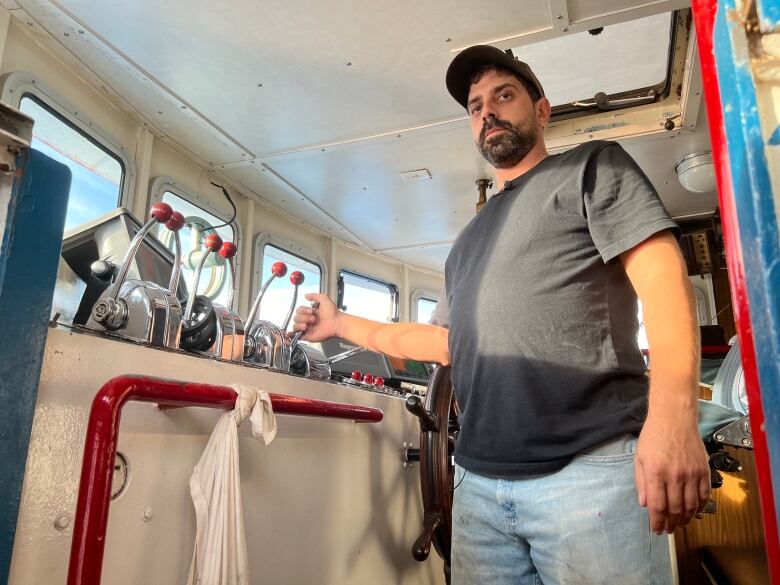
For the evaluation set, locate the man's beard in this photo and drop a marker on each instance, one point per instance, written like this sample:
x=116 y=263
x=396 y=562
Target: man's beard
x=506 y=149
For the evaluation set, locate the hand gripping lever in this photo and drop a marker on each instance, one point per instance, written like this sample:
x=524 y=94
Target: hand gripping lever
x=141 y=310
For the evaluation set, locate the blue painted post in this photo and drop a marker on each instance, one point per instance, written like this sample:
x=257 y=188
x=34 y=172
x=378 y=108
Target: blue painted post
x=753 y=198
x=29 y=252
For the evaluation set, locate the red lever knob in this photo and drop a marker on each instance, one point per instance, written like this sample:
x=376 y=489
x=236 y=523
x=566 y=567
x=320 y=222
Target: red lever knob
x=296 y=278
x=279 y=269
x=368 y=378
x=228 y=250
x=213 y=242
x=176 y=222
x=161 y=212
x=357 y=375
x=379 y=381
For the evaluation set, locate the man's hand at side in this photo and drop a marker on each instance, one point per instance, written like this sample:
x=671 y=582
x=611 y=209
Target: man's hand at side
x=672 y=473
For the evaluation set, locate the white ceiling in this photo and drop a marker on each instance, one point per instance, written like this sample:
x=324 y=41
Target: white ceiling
x=352 y=95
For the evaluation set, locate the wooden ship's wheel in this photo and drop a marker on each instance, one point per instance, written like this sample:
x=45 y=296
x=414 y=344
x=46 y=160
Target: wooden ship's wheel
x=438 y=430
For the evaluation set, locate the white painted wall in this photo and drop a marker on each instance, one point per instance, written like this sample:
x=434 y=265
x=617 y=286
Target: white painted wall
x=327 y=502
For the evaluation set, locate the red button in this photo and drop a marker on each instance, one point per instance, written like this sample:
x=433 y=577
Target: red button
x=357 y=375
x=368 y=379
x=379 y=381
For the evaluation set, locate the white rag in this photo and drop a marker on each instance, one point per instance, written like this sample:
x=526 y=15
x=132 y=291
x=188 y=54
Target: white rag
x=219 y=556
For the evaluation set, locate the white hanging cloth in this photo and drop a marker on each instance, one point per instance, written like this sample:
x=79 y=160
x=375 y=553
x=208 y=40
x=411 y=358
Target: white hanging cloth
x=220 y=556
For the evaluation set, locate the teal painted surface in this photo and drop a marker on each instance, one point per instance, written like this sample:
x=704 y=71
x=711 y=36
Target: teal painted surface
x=768 y=14
x=29 y=255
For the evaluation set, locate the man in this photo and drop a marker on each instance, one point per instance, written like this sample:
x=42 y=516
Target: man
x=538 y=317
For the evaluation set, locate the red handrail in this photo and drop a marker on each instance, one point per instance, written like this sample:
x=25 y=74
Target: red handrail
x=89 y=531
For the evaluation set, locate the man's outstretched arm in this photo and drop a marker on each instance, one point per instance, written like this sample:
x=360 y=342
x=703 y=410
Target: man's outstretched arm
x=672 y=474
x=417 y=341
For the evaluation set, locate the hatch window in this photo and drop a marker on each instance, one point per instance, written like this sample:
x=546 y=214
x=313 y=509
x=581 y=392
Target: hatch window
x=199 y=222
x=279 y=296
x=96 y=183
x=367 y=297
x=629 y=63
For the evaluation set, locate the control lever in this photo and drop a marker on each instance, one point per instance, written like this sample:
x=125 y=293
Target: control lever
x=137 y=309
x=265 y=342
x=175 y=223
x=230 y=327
x=301 y=363
x=212 y=243
x=278 y=270
x=199 y=333
x=296 y=279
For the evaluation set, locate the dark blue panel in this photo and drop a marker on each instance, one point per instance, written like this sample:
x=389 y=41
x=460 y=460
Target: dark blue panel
x=28 y=261
x=758 y=229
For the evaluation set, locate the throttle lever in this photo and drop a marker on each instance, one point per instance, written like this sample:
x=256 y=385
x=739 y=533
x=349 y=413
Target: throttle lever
x=228 y=252
x=213 y=243
x=298 y=334
x=296 y=279
x=111 y=312
x=175 y=223
x=278 y=270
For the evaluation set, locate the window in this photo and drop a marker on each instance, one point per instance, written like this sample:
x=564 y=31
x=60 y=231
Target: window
x=215 y=276
x=425 y=309
x=97 y=173
x=638 y=54
x=367 y=297
x=279 y=296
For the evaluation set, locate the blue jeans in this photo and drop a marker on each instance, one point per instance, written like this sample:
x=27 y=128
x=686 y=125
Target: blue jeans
x=581 y=525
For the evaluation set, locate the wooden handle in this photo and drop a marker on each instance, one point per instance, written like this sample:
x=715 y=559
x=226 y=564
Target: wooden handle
x=428 y=421
x=422 y=546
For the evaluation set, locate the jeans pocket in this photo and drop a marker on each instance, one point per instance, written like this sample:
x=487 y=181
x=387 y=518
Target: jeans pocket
x=614 y=452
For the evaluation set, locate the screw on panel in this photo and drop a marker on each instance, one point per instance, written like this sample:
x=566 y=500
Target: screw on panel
x=61 y=522
x=147 y=514
x=719 y=437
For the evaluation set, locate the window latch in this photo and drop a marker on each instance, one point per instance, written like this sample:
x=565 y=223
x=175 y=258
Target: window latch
x=603 y=102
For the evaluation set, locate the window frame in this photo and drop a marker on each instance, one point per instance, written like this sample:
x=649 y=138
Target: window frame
x=162 y=183
x=18 y=84
x=662 y=89
x=289 y=247
x=394 y=291
x=418 y=295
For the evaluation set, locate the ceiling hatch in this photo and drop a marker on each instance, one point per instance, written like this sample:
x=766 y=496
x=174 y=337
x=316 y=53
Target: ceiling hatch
x=620 y=66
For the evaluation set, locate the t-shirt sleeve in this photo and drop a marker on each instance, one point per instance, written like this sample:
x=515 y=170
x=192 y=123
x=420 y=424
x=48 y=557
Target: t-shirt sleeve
x=621 y=204
x=441 y=314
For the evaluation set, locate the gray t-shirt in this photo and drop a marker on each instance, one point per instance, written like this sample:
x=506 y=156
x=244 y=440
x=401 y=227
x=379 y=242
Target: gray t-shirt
x=542 y=317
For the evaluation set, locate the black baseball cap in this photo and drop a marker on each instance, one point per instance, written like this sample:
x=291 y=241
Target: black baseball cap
x=467 y=62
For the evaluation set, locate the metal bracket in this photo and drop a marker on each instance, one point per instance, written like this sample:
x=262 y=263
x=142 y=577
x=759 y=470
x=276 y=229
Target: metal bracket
x=736 y=434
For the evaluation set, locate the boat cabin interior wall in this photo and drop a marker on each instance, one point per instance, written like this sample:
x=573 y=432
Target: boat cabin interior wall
x=309 y=160
x=151 y=156
x=330 y=127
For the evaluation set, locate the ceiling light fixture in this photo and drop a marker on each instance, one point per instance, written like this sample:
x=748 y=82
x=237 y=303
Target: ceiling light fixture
x=696 y=172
